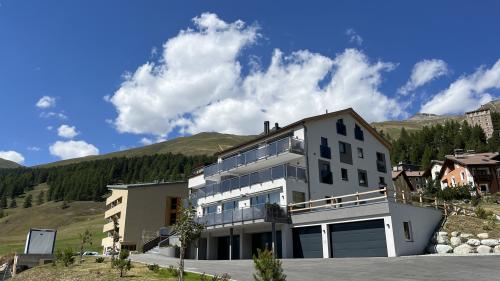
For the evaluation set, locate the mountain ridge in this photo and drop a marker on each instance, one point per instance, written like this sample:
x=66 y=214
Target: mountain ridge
x=7 y=164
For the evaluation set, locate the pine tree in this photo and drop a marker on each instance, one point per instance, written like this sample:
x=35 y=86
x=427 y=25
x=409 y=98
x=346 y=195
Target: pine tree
x=426 y=157
x=28 y=201
x=40 y=199
x=2 y=214
x=3 y=202
x=13 y=203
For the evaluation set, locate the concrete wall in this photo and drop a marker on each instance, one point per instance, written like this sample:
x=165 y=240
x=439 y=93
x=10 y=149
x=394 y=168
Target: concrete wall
x=423 y=222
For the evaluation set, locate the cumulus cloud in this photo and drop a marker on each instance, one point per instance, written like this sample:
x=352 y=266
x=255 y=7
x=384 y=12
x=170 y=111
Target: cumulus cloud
x=67 y=131
x=46 y=102
x=466 y=93
x=52 y=114
x=423 y=72
x=354 y=37
x=72 y=149
x=146 y=141
x=12 y=156
x=198 y=85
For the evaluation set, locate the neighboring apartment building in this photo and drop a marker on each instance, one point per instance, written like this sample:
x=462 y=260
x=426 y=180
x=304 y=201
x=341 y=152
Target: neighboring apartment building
x=481 y=170
x=245 y=198
x=139 y=209
x=482 y=118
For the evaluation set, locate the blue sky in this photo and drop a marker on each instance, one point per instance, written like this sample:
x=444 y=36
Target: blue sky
x=108 y=77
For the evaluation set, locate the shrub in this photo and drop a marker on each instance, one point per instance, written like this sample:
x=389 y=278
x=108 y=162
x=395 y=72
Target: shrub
x=99 y=260
x=267 y=266
x=222 y=277
x=482 y=213
x=475 y=201
x=173 y=271
x=65 y=256
x=123 y=264
x=154 y=267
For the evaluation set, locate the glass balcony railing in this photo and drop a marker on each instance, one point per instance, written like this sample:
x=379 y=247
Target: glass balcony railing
x=288 y=144
x=267 y=212
x=261 y=176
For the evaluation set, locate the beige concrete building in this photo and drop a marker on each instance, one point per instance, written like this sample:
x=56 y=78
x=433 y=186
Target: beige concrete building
x=141 y=209
x=482 y=118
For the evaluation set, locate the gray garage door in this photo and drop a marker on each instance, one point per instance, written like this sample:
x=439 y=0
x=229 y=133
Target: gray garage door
x=307 y=242
x=358 y=239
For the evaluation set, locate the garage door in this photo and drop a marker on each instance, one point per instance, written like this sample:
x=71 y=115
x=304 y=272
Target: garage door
x=358 y=239
x=307 y=242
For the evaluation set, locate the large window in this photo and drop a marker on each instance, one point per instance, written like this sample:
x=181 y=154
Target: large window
x=325 y=173
x=324 y=149
x=360 y=153
x=210 y=209
x=362 y=178
x=299 y=197
x=358 y=133
x=270 y=198
x=230 y=205
x=407 y=231
x=345 y=152
x=341 y=129
x=381 y=165
x=344 y=175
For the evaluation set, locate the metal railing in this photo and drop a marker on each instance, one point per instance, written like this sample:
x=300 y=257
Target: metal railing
x=288 y=144
x=261 y=176
x=266 y=212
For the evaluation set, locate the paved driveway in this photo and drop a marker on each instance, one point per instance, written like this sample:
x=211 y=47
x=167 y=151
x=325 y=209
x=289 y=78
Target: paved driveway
x=453 y=268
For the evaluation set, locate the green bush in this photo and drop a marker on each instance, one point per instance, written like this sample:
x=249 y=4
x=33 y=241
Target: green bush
x=483 y=214
x=267 y=266
x=173 y=271
x=65 y=257
x=475 y=201
x=154 y=267
x=99 y=260
x=222 y=277
x=122 y=264
x=454 y=193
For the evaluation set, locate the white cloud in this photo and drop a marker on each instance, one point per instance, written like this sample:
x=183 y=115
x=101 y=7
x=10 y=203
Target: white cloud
x=466 y=93
x=197 y=85
x=46 y=102
x=34 y=148
x=67 y=131
x=49 y=128
x=423 y=72
x=51 y=114
x=72 y=149
x=354 y=37
x=146 y=141
x=12 y=156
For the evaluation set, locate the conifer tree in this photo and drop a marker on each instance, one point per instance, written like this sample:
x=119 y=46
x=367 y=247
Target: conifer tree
x=13 y=203
x=3 y=202
x=28 y=201
x=40 y=199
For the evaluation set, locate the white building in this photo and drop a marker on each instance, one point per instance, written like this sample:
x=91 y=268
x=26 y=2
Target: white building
x=314 y=188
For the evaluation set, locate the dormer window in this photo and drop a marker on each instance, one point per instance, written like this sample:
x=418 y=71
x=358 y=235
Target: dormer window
x=358 y=133
x=341 y=129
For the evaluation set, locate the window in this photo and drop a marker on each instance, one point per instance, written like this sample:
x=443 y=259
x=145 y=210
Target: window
x=173 y=218
x=173 y=203
x=484 y=188
x=381 y=181
x=325 y=174
x=360 y=153
x=230 y=205
x=344 y=175
x=299 y=197
x=462 y=176
x=210 y=209
x=381 y=166
x=358 y=133
x=270 y=198
x=453 y=181
x=341 y=129
x=362 y=178
x=407 y=231
x=324 y=149
x=345 y=152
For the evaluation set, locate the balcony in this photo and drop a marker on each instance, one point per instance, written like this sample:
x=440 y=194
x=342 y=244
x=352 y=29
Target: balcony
x=108 y=227
x=282 y=150
x=264 y=212
x=113 y=211
x=265 y=175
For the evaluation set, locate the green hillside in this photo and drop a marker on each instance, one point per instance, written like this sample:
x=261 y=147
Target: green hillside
x=69 y=222
x=199 y=144
x=8 y=164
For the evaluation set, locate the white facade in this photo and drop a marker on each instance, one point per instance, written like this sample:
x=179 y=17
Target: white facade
x=330 y=155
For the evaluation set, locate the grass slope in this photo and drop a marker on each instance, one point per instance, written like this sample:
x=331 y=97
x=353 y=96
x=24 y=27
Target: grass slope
x=69 y=222
x=199 y=144
x=8 y=164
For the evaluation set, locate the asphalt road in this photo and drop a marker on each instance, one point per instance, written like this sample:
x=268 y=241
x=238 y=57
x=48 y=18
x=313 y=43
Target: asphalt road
x=453 y=268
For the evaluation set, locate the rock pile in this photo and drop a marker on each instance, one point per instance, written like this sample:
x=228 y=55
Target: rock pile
x=463 y=243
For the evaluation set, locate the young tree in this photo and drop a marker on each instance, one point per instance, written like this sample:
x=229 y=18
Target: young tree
x=64 y=205
x=267 y=266
x=3 y=202
x=116 y=237
x=188 y=230
x=13 y=203
x=28 y=201
x=122 y=263
x=85 y=240
x=40 y=199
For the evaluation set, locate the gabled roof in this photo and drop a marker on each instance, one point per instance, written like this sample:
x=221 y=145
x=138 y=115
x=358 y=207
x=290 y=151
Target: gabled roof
x=415 y=173
x=396 y=174
x=286 y=128
x=471 y=159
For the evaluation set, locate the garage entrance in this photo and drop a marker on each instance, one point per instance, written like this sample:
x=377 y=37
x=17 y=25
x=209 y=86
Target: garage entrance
x=223 y=248
x=307 y=242
x=358 y=239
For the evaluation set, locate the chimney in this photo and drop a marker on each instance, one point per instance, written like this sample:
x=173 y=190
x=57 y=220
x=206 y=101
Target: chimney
x=266 y=127
x=276 y=126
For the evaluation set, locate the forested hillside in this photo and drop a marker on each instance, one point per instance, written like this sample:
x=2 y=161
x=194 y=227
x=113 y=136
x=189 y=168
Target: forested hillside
x=434 y=142
x=88 y=180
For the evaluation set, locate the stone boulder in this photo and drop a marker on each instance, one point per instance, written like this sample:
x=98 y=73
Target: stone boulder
x=483 y=249
x=442 y=239
x=463 y=249
x=473 y=242
x=443 y=249
x=455 y=241
x=483 y=235
x=455 y=234
x=465 y=236
x=496 y=250
x=490 y=242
